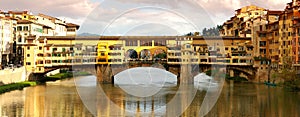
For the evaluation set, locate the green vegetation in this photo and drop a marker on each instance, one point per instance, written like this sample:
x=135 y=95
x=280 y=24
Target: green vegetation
x=292 y=85
x=214 y=31
x=211 y=72
x=15 y=86
x=161 y=55
x=289 y=75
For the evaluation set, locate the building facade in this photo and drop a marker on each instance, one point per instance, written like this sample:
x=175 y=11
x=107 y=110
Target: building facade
x=6 y=40
x=55 y=51
x=22 y=28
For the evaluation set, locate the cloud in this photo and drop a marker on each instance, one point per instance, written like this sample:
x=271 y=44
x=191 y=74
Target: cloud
x=221 y=10
x=94 y=15
x=183 y=18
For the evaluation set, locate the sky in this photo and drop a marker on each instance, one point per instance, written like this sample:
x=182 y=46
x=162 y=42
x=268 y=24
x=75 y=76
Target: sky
x=140 y=17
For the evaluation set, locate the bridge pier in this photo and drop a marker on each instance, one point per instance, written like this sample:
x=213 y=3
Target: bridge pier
x=186 y=75
x=231 y=73
x=104 y=74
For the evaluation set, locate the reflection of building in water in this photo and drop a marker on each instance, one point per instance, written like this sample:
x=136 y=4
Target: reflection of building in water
x=35 y=102
x=11 y=104
x=53 y=101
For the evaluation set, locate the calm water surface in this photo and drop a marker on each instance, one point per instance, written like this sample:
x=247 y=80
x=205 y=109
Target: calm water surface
x=82 y=99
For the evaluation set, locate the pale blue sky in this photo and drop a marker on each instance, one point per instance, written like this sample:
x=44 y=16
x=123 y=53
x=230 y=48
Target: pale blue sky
x=118 y=17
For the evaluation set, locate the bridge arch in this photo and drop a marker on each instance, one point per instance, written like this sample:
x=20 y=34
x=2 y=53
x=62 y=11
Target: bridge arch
x=131 y=54
x=159 y=53
x=234 y=70
x=145 y=54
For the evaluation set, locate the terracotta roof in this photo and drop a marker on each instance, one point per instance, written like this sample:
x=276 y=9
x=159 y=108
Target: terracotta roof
x=108 y=37
x=27 y=44
x=47 y=16
x=18 y=12
x=8 y=18
x=48 y=45
x=63 y=45
x=30 y=22
x=32 y=37
x=263 y=32
x=275 y=12
x=24 y=22
x=228 y=22
x=72 y=25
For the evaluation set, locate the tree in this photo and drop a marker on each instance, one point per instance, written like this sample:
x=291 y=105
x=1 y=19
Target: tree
x=214 y=31
x=289 y=74
x=204 y=31
x=161 y=55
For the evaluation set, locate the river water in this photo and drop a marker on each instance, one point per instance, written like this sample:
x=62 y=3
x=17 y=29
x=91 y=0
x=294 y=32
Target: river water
x=83 y=98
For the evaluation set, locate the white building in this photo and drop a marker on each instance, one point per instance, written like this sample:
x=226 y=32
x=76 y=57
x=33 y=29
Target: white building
x=6 y=39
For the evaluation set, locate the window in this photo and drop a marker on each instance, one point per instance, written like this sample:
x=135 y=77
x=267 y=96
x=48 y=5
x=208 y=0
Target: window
x=25 y=28
x=20 y=39
x=260 y=28
x=243 y=61
x=40 y=62
x=28 y=55
x=262 y=43
x=131 y=43
x=48 y=61
x=235 y=61
x=40 y=55
x=54 y=49
x=40 y=48
x=188 y=46
x=262 y=51
x=28 y=48
x=28 y=63
x=159 y=43
x=146 y=43
x=19 y=28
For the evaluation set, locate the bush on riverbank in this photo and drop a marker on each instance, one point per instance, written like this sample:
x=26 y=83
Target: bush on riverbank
x=15 y=86
x=292 y=85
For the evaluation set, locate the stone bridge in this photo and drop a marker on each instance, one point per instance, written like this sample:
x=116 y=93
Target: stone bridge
x=105 y=73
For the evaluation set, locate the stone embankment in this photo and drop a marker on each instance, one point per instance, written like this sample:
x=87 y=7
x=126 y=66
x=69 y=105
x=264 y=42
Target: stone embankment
x=8 y=76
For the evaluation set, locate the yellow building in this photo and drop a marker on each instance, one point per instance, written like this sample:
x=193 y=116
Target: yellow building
x=286 y=33
x=241 y=24
x=250 y=12
x=226 y=50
